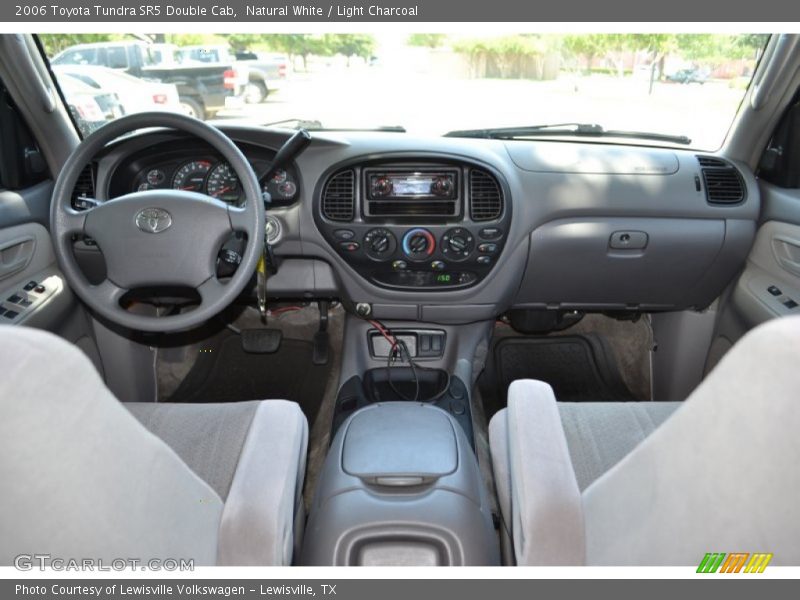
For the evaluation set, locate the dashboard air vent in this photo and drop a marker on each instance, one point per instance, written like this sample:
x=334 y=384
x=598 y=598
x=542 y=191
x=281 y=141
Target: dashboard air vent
x=84 y=186
x=723 y=182
x=486 y=196
x=339 y=196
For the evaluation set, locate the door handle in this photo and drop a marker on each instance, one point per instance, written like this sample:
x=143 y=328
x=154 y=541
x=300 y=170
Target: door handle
x=787 y=253
x=15 y=255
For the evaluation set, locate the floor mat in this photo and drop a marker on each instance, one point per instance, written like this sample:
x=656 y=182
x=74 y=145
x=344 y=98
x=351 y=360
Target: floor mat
x=226 y=373
x=579 y=368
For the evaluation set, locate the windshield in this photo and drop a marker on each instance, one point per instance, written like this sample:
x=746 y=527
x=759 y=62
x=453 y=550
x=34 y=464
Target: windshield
x=675 y=86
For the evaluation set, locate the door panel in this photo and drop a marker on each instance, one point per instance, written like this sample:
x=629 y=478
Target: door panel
x=769 y=286
x=32 y=290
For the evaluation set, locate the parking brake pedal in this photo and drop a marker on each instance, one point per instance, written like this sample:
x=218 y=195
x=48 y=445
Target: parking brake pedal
x=321 y=338
x=261 y=341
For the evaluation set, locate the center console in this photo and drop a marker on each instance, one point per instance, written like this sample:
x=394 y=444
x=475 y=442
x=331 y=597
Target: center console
x=415 y=224
x=400 y=486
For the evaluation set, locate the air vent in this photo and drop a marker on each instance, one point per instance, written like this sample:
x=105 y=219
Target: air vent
x=486 y=197
x=723 y=182
x=84 y=186
x=339 y=196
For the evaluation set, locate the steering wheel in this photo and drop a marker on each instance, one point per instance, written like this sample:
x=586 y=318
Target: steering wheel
x=157 y=237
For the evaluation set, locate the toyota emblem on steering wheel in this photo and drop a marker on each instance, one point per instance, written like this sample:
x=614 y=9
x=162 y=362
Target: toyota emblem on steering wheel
x=153 y=220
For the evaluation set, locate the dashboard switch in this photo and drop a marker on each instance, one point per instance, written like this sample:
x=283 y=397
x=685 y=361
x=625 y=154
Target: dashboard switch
x=438 y=265
x=350 y=246
x=344 y=234
x=484 y=260
x=490 y=233
x=399 y=265
x=487 y=248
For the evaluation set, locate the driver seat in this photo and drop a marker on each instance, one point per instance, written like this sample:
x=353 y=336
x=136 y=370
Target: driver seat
x=87 y=476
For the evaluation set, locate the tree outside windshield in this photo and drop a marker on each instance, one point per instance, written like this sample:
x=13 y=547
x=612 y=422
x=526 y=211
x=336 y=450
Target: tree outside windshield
x=674 y=84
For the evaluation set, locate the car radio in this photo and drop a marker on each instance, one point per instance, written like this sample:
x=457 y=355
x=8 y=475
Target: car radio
x=411 y=184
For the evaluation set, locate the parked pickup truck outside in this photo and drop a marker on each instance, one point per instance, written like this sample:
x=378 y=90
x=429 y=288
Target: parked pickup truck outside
x=203 y=89
x=265 y=71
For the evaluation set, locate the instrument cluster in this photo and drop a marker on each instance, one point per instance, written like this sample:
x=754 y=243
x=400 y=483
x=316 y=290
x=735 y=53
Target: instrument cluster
x=204 y=172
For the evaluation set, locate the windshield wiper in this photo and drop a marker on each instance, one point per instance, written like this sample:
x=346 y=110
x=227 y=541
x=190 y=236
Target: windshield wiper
x=315 y=125
x=565 y=129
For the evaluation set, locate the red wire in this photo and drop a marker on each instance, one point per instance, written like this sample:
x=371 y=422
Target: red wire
x=385 y=333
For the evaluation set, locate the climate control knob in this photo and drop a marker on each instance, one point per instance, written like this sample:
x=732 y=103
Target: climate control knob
x=457 y=243
x=419 y=244
x=380 y=244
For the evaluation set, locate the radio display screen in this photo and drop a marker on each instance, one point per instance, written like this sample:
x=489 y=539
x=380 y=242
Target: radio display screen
x=412 y=185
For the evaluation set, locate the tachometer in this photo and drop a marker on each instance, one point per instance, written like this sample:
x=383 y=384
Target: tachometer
x=224 y=184
x=192 y=176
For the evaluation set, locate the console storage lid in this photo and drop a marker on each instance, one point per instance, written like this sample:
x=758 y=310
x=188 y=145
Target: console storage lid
x=394 y=446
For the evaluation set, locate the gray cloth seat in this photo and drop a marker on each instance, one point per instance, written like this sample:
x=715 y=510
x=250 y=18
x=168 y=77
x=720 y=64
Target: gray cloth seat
x=600 y=434
x=658 y=483
x=87 y=476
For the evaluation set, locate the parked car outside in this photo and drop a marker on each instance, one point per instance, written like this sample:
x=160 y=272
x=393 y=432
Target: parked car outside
x=266 y=72
x=204 y=89
x=135 y=94
x=688 y=76
x=90 y=108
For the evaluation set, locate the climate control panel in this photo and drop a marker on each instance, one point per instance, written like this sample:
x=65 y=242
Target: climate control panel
x=425 y=258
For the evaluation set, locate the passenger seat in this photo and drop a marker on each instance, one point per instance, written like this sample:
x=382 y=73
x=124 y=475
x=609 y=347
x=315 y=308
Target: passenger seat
x=658 y=483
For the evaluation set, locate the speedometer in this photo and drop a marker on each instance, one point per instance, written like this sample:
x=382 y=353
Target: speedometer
x=224 y=184
x=191 y=176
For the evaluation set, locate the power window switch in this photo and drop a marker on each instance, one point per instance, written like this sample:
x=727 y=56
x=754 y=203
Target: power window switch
x=790 y=303
x=436 y=344
x=30 y=285
x=39 y=289
x=25 y=303
x=14 y=299
x=10 y=314
x=774 y=290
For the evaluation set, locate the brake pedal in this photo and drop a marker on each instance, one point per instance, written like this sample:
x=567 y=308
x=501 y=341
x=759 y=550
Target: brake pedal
x=261 y=341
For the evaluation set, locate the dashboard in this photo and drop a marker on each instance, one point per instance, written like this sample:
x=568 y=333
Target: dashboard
x=448 y=230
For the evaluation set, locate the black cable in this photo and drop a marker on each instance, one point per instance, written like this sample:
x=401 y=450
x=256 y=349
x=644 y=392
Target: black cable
x=403 y=349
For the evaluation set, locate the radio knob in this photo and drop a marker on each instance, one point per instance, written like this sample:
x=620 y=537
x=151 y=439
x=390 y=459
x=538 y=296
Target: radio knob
x=379 y=244
x=442 y=186
x=382 y=187
x=457 y=243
